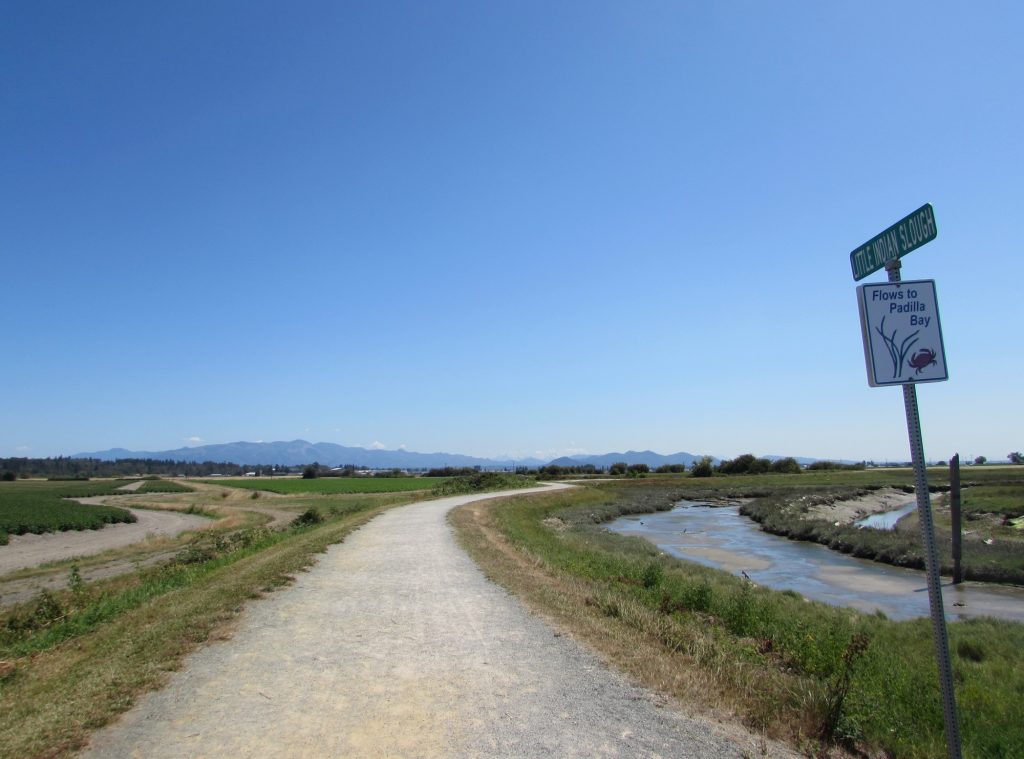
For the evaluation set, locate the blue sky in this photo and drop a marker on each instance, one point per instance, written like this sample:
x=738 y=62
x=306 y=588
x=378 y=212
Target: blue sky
x=523 y=228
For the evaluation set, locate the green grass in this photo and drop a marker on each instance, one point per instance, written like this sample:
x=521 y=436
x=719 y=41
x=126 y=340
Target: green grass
x=790 y=667
x=330 y=485
x=36 y=506
x=1004 y=499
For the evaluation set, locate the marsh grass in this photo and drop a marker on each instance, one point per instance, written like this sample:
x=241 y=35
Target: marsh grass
x=987 y=507
x=800 y=671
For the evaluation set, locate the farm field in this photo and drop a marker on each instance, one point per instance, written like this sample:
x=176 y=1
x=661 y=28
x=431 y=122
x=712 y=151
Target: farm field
x=38 y=506
x=331 y=485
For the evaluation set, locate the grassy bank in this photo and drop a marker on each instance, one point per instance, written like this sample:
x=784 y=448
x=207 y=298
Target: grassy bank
x=71 y=661
x=807 y=673
x=993 y=548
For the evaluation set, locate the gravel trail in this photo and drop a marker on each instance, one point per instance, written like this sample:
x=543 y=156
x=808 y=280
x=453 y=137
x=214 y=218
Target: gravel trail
x=394 y=644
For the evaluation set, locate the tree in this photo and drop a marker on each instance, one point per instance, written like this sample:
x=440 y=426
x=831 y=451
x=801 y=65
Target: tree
x=671 y=469
x=618 y=468
x=1016 y=457
x=787 y=465
x=310 y=473
x=703 y=467
x=980 y=460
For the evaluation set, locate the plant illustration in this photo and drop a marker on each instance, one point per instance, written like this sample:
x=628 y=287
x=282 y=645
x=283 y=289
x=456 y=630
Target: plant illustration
x=897 y=353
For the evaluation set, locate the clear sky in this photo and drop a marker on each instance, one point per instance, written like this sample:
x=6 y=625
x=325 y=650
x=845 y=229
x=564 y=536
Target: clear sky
x=521 y=228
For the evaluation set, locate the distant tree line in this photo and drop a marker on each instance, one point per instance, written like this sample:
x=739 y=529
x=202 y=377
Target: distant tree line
x=453 y=471
x=63 y=467
x=820 y=465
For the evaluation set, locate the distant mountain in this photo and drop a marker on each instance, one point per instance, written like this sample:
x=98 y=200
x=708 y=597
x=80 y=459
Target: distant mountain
x=804 y=460
x=302 y=452
x=652 y=459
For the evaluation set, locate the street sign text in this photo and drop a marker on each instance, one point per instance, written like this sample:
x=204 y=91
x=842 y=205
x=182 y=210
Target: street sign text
x=907 y=234
x=902 y=334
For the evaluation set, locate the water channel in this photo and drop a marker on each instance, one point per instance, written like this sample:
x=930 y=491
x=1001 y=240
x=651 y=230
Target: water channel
x=721 y=538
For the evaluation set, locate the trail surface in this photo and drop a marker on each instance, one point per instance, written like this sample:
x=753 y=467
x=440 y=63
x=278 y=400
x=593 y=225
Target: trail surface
x=395 y=644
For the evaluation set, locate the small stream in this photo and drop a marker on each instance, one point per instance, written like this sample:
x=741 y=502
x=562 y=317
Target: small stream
x=887 y=519
x=721 y=538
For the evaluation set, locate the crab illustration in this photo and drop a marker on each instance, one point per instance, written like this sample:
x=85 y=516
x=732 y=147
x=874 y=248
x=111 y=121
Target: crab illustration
x=921 y=359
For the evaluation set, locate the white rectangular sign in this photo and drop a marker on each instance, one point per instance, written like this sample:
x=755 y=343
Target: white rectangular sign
x=902 y=334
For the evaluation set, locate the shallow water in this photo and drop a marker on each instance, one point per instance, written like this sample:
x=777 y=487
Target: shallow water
x=721 y=538
x=887 y=519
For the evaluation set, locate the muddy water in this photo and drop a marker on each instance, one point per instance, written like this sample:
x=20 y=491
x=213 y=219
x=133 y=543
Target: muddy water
x=719 y=537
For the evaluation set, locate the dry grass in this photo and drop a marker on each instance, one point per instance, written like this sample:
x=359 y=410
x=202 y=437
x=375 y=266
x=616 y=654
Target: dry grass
x=49 y=702
x=700 y=668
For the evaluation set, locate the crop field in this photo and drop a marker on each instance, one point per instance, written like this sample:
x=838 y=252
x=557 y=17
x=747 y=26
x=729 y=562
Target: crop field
x=332 y=485
x=37 y=507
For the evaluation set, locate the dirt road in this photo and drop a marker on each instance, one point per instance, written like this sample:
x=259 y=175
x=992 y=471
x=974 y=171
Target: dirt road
x=395 y=644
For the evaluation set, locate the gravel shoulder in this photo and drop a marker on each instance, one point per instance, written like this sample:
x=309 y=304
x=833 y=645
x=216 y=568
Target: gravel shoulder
x=395 y=644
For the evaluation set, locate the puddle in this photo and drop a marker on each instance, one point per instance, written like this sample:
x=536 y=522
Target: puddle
x=719 y=537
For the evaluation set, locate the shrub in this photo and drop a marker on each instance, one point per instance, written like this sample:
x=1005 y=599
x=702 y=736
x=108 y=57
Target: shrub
x=481 y=482
x=308 y=517
x=787 y=465
x=702 y=468
x=671 y=469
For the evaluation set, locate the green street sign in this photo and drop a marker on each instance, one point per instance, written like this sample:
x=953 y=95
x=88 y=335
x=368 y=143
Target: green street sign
x=907 y=234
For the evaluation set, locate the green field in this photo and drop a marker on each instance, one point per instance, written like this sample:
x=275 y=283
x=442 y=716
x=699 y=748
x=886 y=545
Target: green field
x=331 y=485
x=38 y=506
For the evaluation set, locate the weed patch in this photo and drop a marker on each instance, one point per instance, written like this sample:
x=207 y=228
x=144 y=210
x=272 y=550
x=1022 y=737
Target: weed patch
x=482 y=482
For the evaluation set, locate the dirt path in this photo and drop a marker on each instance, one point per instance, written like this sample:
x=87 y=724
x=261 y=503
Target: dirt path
x=395 y=645
x=32 y=550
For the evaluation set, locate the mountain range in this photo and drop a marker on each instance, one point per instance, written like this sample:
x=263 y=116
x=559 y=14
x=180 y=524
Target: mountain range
x=302 y=452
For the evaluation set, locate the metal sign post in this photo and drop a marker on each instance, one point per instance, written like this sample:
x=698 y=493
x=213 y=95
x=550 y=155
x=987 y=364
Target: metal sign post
x=931 y=556
x=886 y=249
